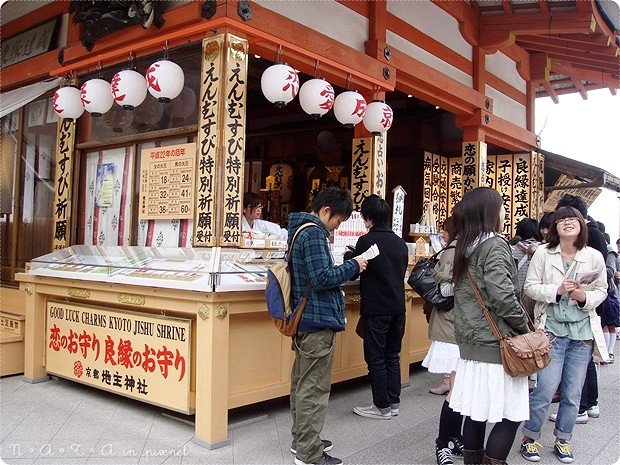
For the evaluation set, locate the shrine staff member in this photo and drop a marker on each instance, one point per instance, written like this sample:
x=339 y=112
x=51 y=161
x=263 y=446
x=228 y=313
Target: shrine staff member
x=251 y=222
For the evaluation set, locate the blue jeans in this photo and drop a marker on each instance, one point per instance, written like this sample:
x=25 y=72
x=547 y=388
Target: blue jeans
x=383 y=335
x=567 y=369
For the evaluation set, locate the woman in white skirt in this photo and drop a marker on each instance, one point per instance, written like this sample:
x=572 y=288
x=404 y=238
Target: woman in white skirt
x=443 y=354
x=482 y=391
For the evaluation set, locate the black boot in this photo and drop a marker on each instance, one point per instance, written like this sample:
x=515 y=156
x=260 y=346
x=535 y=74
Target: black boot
x=491 y=461
x=473 y=457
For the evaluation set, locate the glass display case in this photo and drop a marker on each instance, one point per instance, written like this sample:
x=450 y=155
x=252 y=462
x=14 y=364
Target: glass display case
x=195 y=269
x=174 y=267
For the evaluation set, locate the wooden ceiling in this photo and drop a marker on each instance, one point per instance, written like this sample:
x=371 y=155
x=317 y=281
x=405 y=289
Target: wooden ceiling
x=573 y=44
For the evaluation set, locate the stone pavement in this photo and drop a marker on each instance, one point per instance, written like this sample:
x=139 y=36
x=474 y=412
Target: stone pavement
x=65 y=423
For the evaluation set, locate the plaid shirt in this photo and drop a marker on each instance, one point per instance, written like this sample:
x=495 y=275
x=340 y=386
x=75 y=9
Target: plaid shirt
x=311 y=261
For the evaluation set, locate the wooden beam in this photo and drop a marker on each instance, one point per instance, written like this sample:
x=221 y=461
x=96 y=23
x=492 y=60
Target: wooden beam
x=530 y=107
x=520 y=56
x=571 y=53
x=612 y=90
x=467 y=16
x=423 y=81
x=505 y=88
x=583 y=38
x=540 y=66
x=479 y=74
x=611 y=65
x=378 y=20
x=544 y=6
x=580 y=87
x=601 y=23
x=565 y=44
x=537 y=23
x=507 y=6
x=499 y=131
x=598 y=76
x=28 y=71
x=550 y=91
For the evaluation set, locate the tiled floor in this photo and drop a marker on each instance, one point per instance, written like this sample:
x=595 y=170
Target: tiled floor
x=60 y=422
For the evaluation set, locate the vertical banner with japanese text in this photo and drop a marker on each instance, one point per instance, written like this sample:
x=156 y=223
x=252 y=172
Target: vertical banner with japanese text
x=361 y=170
x=427 y=181
x=538 y=185
x=65 y=147
x=209 y=141
x=455 y=182
x=138 y=355
x=489 y=180
x=504 y=187
x=474 y=164
x=436 y=170
x=443 y=190
x=379 y=162
x=233 y=138
x=520 y=188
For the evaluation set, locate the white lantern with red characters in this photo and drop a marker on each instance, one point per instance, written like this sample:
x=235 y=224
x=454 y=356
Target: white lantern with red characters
x=67 y=104
x=378 y=118
x=128 y=88
x=350 y=108
x=165 y=80
x=280 y=84
x=96 y=96
x=316 y=97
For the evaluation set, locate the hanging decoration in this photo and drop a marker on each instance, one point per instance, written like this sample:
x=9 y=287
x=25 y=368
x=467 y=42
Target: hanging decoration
x=316 y=97
x=165 y=80
x=128 y=88
x=350 y=108
x=280 y=84
x=96 y=96
x=66 y=102
x=378 y=118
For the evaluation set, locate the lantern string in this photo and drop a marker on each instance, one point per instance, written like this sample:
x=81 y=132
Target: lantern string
x=99 y=72
x=278 y=53
x=166 y=48
x=349 y=77
x=131 y=63
x=316 y=68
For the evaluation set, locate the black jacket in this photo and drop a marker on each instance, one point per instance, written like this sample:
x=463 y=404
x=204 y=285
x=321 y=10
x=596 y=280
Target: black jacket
x=382 y=285
x=596 y=240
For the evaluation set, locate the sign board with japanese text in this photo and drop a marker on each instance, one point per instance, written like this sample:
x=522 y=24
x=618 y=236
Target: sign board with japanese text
x=521 y=188
x=209 y=137
x=379 y=163
x=138 y=355
x=427 y=181
x=474 y=164
x=538 y=185
x=588 y=195
x=398 y=210
x=361 y=175
x=504 y=187
x=29 y=44
x=65 y=146
x=167 y=182
x=233 y=108
x=455 y=182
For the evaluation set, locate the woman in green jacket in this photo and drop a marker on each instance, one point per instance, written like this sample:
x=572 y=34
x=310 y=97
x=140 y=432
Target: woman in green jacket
x=482 y=390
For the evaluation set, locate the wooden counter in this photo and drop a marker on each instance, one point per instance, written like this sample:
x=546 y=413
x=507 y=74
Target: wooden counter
x=237 y=356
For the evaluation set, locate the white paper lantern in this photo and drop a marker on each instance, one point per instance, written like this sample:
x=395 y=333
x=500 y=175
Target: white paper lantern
x=378 y=118
x=96 y=96
x=350 y=108
x=165 y=80
x=128 y=88
x=67 y=104
x=316 y=97
x=280 y=84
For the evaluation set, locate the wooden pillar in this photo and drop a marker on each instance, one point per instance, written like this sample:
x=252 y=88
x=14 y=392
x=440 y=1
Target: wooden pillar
x=65 y=151
x=212 y=354
x=34 y=336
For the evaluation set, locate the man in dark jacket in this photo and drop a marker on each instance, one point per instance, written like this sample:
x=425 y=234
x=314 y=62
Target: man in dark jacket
x=323 y=316
x=382 y=291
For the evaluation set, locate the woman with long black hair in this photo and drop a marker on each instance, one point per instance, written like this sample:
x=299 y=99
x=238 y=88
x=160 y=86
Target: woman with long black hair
x=482 y=390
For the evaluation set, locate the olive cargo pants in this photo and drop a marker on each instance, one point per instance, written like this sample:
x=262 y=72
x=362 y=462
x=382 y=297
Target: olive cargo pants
x=311 y=380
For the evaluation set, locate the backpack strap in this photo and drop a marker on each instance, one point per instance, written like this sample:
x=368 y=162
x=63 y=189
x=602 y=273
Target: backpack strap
x=290 y=250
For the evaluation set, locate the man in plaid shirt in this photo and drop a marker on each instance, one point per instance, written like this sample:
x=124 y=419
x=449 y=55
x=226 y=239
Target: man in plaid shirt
x=324 y=315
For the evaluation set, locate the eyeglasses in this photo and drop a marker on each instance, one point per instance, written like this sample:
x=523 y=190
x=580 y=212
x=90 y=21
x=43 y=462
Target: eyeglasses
x=570 y=220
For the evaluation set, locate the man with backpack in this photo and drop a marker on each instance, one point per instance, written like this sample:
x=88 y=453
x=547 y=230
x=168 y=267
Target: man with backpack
x=324 y=315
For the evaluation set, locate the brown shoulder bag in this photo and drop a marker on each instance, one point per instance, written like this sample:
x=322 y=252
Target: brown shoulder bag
x=524 y=354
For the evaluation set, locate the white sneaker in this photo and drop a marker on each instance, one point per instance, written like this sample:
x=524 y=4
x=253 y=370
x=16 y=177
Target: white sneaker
x=372 y=411
x=582 y=418
x=395 y=409
x=593 y=412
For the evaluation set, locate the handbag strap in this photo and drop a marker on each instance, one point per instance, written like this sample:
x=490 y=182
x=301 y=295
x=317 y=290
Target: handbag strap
x=486 y=312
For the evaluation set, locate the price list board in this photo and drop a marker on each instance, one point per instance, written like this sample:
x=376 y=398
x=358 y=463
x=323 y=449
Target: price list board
x=167 y=182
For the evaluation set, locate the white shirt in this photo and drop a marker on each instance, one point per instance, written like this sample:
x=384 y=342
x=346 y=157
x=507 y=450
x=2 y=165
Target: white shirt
x=264 y=227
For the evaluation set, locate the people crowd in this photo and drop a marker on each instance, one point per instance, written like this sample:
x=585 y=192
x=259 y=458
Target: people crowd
x=559 y=274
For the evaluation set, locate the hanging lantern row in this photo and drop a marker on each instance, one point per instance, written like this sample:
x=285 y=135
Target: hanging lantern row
x=164 y=81
x=280 y=85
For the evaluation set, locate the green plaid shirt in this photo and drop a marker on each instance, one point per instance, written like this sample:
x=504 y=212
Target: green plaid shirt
x=311 y=262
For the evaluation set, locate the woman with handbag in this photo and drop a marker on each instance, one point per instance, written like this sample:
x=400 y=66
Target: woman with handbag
x=443 y=353
x=566 y=309
x=483 y=392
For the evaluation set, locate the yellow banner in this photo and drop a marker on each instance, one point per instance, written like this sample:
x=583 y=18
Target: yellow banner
x=379 y=164
x=474 y=164
x=361 y=170
x=137 y=355
x=427 y=181
x=504 y=187
x=65 y=145
x=521 y=188
x=209 y=139
x=455 y=182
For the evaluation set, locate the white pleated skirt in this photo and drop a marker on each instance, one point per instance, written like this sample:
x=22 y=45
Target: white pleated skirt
x=484 y=392
x=442 y=357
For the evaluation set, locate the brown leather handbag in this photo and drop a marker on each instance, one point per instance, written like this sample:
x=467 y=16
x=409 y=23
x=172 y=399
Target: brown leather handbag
x=524 y=354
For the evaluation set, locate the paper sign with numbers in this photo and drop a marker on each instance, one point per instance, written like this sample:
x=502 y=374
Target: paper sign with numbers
x=167 y=182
